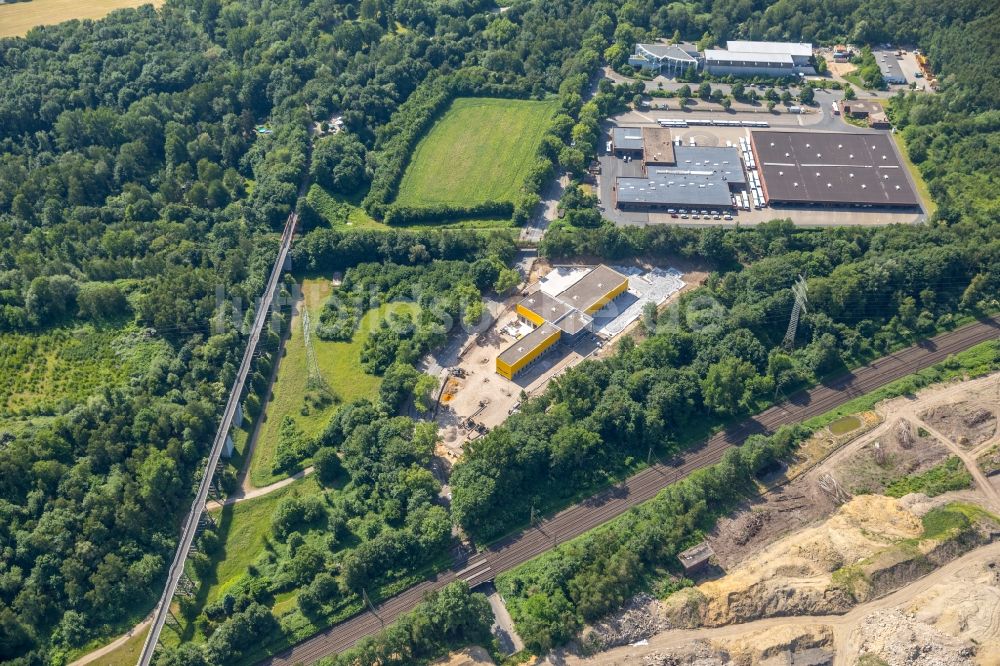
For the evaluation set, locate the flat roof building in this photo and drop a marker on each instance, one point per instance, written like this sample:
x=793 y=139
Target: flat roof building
x=723 y=160
x=879 y=120
x=529 y=348
x=539 y=307
x=626 y=140
x=696 y=558
x=831 y=168
x=888 y=64
x=672 y=191
x=591 y=292
x=701 y=177
x=566 y=313
x=657 y=146
x=743 y=58
x=856 y=109
x=800 y=51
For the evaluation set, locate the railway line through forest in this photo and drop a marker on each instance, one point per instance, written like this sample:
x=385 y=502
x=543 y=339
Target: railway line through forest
x=643 y=486
x=191 y=522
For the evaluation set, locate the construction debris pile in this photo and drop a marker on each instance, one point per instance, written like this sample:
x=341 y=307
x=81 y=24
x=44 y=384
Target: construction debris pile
x=638 y=620
x=897 y=639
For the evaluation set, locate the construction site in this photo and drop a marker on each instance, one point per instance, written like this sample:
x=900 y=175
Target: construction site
x=570 y=314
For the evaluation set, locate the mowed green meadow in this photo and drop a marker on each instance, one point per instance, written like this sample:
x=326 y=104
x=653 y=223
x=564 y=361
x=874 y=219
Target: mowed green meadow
x=480 y=150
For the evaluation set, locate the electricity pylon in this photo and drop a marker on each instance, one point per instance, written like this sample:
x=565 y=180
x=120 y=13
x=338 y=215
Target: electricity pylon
x=801 y=301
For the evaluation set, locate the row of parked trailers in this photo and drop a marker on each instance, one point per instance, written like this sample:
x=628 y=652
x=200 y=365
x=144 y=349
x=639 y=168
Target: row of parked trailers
x=681 y=122
x=753 y=197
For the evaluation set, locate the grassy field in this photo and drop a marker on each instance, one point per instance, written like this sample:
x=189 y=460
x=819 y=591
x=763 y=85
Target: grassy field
x=44 y=373
x=18 y=18
x=918 y=179
x=245 y=533
x=125 y=654
x=480 y=150
x=338 y=363
x=340 y=212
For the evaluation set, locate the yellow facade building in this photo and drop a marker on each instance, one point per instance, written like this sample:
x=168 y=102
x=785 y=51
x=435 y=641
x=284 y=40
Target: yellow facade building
x=564 y=315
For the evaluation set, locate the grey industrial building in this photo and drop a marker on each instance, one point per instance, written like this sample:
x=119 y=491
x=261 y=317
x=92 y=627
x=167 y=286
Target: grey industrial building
x=831 y=169
x=627 y=141
x=700 y=177
x=745 y=58
x=663 y=192
x=888 y=64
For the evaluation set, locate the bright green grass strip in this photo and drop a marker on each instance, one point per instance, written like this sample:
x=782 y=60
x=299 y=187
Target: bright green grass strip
x=480 y=150
x=340 y=365
x=244 y=531
x=126 y=654
x=973 y=362
x=948 y=475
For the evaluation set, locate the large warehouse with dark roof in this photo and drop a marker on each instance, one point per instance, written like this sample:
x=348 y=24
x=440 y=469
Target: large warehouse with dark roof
x=689 y=177
x=835 y=168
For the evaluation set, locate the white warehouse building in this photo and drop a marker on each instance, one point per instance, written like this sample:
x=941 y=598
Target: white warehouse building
x=745 y=58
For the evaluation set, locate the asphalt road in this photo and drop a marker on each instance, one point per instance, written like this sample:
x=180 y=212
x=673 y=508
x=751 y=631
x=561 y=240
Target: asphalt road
x=576 y=520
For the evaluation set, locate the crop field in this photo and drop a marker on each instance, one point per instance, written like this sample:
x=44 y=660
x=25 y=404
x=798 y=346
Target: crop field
x=337 y=362
x=18 y=18
x=480 y=150
x=42 y=374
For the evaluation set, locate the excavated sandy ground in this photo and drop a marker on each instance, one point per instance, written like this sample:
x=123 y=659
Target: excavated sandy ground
x=471 y=656
x=947 y=618
x=793 y=576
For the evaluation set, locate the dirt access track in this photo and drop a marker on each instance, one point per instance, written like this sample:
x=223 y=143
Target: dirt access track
x=781 y=598
x=578 y=519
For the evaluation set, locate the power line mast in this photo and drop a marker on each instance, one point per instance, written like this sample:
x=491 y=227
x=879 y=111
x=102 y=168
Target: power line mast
x=801 y=301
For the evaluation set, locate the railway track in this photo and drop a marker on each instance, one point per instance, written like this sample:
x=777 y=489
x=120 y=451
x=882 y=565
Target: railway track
x=643 y=486
x=190 y=526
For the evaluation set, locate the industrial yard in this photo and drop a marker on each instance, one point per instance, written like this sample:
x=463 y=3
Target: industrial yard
x=722 y=171
x=476 y=396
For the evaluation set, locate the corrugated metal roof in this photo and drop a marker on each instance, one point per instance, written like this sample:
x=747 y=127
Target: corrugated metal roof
x=675 y=189
x=800 y=49
x=724 y=160
x=757 y=57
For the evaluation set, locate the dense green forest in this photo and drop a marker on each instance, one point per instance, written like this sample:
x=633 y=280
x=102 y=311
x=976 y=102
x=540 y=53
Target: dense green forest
x=717 y=353
x=147 y=159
